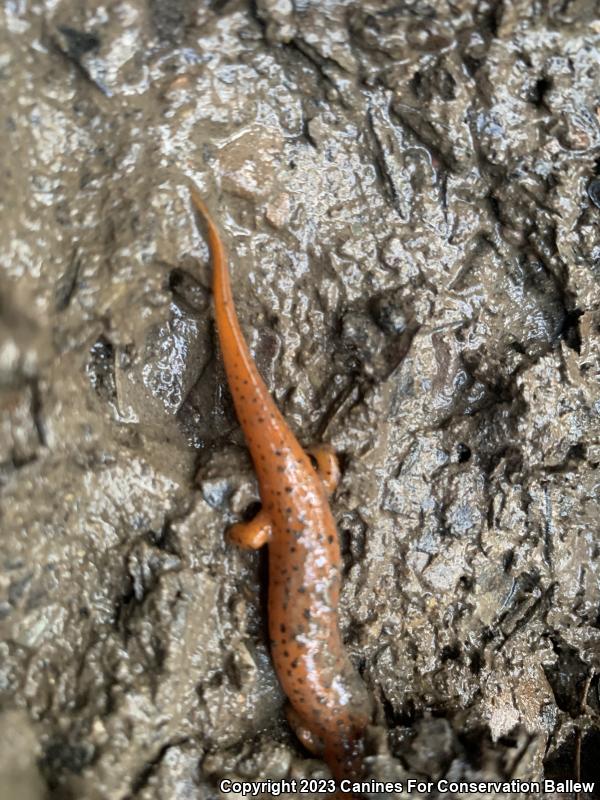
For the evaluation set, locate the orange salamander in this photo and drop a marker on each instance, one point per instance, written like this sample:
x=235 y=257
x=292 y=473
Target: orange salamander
x=329 y=704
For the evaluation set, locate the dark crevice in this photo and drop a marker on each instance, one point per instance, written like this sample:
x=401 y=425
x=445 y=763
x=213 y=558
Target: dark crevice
x=451 y=652
x=539 y=605
x=67 y=283
x=101 y=369
x=191 y=295
x=489 y=18
x=380 y=164
x=143 y=777
x=78 y=43
x=538 y=91
x=319 y=63
x=567 y=677
x=463 y=453
x=307 y=135
x=220 y=5
x=62 y=755
x=476 y=662
x=560 y=766
x=446 y=160
x=165 y=539
x=73 y=45
x=405 y=718
x=36 y=412
x=335 y=405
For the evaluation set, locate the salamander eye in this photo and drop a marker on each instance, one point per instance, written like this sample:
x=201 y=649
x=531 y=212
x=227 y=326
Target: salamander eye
x=314 y=462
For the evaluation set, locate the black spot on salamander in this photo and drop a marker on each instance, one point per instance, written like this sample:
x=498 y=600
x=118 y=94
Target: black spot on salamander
x=306 y=613
x=282 y=627
x=289 y=489
x=295 y=663
x=280 y=469
x=330 y=539
x=286 y=653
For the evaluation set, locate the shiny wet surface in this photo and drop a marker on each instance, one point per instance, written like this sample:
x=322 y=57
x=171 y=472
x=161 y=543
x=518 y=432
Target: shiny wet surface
x=408 y=194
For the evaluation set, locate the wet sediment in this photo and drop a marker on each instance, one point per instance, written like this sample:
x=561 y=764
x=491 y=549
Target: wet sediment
x=409 y=194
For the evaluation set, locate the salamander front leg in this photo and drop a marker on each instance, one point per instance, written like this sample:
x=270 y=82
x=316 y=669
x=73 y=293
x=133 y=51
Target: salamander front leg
x=328 y=467
x=307 y=738
x=253 y=534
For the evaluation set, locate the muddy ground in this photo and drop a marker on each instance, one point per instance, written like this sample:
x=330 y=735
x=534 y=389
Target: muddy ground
x=408 y=194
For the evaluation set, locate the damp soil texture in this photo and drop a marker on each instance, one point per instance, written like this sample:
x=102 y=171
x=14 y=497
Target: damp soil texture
x=409 y=191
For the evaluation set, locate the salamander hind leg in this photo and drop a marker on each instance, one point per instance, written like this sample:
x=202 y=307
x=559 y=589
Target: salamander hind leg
x=328 y=467
x=253 y=534
x=307 y=738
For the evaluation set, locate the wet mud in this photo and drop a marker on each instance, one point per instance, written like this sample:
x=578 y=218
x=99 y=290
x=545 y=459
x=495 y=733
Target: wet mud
x=410 y=194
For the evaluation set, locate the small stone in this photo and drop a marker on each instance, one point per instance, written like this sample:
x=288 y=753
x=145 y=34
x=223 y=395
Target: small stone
x=278 y=210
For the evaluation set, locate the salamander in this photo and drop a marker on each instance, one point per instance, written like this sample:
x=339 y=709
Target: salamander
x=329 y=707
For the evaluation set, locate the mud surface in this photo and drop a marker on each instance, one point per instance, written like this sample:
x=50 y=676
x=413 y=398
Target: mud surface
x=408 y=192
